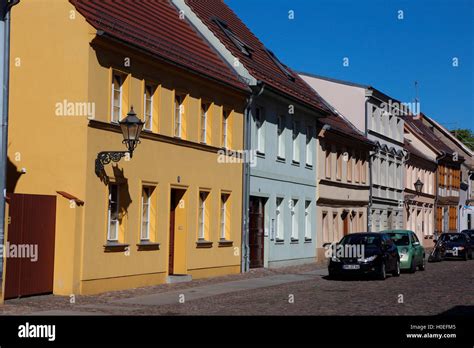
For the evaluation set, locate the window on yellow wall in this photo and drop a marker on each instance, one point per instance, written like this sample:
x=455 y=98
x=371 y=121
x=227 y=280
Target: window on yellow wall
x=349 y=167
x=225 y=217
x=178 y=115
x=145 y=228
x=113 y=213
x=338 y=165
x=117 y=97
x=148 y=106
x=225 y=129
x=204 y=121
x=203 y=221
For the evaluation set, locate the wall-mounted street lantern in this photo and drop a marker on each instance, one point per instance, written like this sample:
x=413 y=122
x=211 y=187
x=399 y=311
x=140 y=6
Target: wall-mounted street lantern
x=418 y=186
x=131 y=127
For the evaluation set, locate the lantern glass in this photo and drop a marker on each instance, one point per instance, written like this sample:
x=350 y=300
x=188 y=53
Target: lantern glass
x=131 y=127
x=418 y=186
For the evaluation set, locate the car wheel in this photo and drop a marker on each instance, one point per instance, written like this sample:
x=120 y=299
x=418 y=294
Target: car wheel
x=382 y=272
x=396 y=273
x=422 y=266
x=413 y=265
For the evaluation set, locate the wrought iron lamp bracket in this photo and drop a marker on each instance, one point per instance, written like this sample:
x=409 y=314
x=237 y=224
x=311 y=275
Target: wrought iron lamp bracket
x=105 y=157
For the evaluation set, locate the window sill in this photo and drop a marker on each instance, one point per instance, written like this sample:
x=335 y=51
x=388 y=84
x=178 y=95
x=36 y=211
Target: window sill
x=147 y=245
x=294 y=241
x=260 y=154
x=279 y=241
x=225 y=243
x=115 y=247
x=203 y=244
x=308 y=166
x=281 y=159
x=308 y=240
x=295 y=163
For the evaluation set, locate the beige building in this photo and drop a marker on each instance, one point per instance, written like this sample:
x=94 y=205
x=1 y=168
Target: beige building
x=342 y=181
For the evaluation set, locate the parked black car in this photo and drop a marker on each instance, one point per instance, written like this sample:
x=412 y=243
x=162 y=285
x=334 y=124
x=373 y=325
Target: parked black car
x=457 y=245
x=470 y=235
x=364 y=253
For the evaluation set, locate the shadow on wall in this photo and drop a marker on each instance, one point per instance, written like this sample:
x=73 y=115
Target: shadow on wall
x=13 y=176
x=124 y=194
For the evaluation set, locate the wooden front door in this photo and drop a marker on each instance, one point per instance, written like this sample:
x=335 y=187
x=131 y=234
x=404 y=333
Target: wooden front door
x=177 y=245
x=256 y=232
x=345 y=225
x=29 y=251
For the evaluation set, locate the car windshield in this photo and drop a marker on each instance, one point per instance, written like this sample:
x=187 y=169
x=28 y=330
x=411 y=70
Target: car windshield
x=453 y=238
x=369 y=240
x=470 y=233
x=400 y=239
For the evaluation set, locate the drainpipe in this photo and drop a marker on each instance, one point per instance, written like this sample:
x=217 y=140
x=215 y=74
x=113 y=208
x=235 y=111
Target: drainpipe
x=369 y=206
x=256 y=92
x=5 y=6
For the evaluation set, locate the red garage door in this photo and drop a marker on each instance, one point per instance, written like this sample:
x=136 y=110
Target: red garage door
x=30 y=248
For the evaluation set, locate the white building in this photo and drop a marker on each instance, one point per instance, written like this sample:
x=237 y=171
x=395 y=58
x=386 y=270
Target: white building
x=378 y=117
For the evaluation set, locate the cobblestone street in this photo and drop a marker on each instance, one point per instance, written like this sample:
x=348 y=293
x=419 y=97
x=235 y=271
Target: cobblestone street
x=445 y=287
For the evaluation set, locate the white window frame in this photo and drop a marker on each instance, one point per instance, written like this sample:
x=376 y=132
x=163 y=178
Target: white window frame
x=296 y=147
x=202 y=215
x=281 y=136
x=309 y=146
x=178 y=115
x=279 y=219
x=259 y=121
x=294 y=219
x=203 y=133
x=307 y=220
x=225 y=129
x=145 y=99
x=224 y=199
x=120 y=91
x=146 y=236
x=112 y=236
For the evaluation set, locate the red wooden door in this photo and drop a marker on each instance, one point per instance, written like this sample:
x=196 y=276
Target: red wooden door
x=30 y=247
x=256 y=232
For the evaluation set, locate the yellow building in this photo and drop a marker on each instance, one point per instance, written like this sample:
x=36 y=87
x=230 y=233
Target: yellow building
x=175 y=207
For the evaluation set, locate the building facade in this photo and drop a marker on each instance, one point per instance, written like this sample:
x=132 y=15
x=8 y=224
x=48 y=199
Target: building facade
x=175 y=208
x=281 y=132
x=379 y=118
x=464 y=180
x=420 y=165
x=343 y=181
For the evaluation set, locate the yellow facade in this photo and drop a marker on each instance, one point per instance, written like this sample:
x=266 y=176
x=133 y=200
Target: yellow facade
x=55 y=57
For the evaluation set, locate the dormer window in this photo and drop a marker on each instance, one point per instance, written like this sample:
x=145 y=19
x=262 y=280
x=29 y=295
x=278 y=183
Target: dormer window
x=280 y=65
x=242 y=46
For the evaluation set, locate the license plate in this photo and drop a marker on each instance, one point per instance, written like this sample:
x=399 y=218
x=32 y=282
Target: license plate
x=351 y=267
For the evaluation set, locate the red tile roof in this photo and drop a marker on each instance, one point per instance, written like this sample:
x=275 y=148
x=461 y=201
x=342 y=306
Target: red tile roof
x=426 y=134
x=341 y=125
x=155 y=26
x=259 y=64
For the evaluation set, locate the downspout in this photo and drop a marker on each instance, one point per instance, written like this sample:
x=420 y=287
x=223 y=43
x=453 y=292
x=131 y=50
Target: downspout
x=256 y=92
x=369 y=206
x=5 y=66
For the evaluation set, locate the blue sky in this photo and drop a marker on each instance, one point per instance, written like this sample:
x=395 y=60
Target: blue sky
x=384 y=51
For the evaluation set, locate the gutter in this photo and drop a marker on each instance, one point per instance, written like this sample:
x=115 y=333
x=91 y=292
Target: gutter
x=256 y=92
x=5 y=76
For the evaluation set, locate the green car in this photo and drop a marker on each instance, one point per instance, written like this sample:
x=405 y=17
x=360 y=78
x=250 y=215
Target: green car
x=412 y=253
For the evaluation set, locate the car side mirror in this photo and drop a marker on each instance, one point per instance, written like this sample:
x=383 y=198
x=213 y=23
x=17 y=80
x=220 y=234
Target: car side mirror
x=416 y=243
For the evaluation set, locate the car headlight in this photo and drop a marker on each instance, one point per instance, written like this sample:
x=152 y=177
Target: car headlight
x=368 y=259
x=460 y=248
x=335 y=259
x=404 y=251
